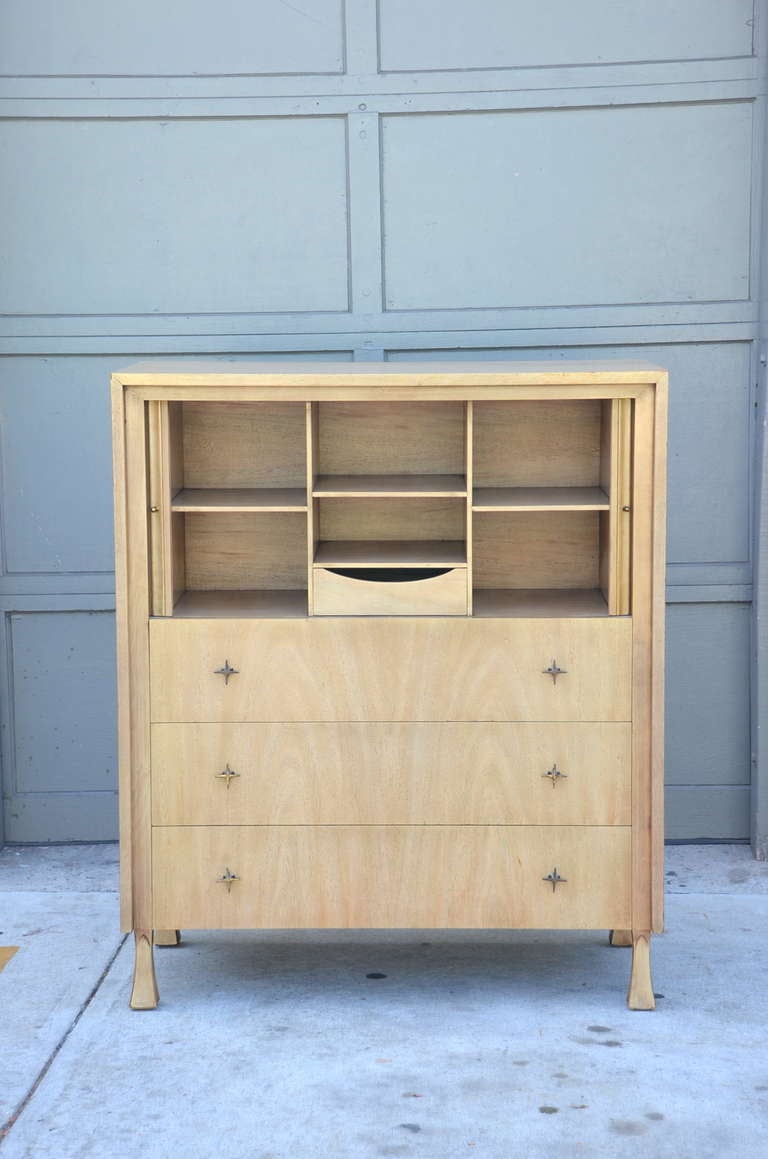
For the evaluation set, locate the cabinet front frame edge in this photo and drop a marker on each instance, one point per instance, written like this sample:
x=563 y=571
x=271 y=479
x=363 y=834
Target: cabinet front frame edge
x=133 y=611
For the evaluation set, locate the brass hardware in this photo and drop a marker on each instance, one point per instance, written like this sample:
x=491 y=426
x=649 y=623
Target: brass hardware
x=554 y=774
x=227 y=878
x=554 y=671
x=154 y=510
x=226 y=671
x=626 y=508
x=555 y=878
x=226 y=775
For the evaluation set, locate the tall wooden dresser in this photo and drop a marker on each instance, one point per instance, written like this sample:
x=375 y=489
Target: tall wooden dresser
x=390 y=648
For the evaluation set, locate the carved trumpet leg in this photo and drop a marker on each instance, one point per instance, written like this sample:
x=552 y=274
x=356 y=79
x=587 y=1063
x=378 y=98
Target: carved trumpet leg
x=144 y=993
x=640 y=995
x=167 y=937
x=620 y=938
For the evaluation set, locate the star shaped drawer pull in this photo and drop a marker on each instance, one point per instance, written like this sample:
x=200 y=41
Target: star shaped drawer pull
x=554 y=671
x=226 y=671
x=228 y=878
x=554 y=775
x=226 y=775
x=554 y=879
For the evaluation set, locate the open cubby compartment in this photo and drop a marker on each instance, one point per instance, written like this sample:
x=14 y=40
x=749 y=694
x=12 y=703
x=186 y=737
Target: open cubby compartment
x=390 y=556
x=534 y=562
x=551 y=507
x=542 y=454
x=246 y=456
x=390 y=448
x=229 y=508
x=262 y=556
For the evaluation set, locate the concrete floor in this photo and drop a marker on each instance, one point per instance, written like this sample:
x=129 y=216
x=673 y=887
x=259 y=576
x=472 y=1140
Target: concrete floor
x=281 y=1046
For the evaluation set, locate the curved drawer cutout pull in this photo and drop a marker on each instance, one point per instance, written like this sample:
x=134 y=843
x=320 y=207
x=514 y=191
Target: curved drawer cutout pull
x=389 y=575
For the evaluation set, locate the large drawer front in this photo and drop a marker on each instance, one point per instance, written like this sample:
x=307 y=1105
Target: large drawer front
x=382 y=773
x=387 y=669
x=391 y=876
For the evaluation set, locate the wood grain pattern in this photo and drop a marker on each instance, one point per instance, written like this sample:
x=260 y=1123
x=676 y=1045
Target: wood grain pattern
x=540 y=499
x=340 y=877
x=381 y=519
x=218 y=499
x=390 y=486
x=541 y=444
x=640 y=995
x=144 y=993
x=420 y=438
x=123 y=653
x=391 y=669
x=543 y=603
x=136 y=659
x=543 y=549
x=339 y=595
x=239 y=551
x=395 y=774
x=244 y=445
x=658 y=610
x=391 y=553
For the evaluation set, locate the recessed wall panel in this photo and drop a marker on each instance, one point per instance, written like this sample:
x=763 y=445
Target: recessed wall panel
x=181 y=216
x=63 y=702
x=451 y=34
x=175 y=38
x=565 y=207
x=707 y=734
x=56 y=489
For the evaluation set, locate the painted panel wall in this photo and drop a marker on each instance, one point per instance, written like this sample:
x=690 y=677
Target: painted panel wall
x=375 y=178
x=56 y=465
x=204 y=216
x=182 y=37
x=567 y=207
x=62 y=725
x=451 y=34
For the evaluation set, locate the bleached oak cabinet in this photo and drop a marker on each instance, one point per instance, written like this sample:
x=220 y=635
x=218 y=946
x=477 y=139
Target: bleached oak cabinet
x=390 y=648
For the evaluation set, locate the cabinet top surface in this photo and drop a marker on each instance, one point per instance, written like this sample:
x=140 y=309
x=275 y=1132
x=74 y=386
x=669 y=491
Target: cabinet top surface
x=458 y=373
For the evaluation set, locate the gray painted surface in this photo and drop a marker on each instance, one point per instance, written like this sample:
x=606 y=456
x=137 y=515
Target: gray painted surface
x=451 y=34
x=371 y=180
x=561 y=207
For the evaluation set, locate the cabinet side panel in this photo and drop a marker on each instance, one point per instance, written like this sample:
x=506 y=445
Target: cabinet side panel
x=123 y=664
x=642 y=658
x=137 y=608
x=657 y=686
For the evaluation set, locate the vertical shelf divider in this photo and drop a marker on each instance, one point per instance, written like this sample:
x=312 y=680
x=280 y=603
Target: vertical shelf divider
x=313 y=505
x=468 y=471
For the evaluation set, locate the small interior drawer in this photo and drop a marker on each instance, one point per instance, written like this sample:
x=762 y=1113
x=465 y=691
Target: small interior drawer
x=380 y=591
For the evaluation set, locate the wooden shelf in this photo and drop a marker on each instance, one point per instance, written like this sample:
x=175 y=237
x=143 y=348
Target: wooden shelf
x=391 y=553
x=254 y=499
x=390 y=486
x=534 y=602
x=257 y=605
x=540 y=499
